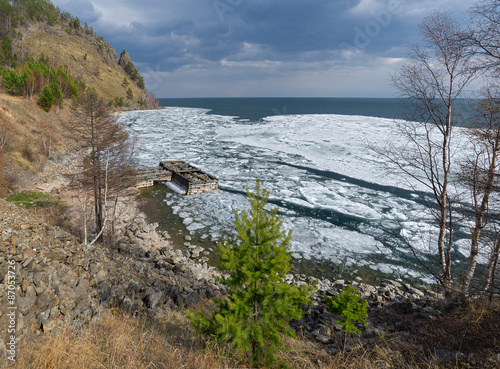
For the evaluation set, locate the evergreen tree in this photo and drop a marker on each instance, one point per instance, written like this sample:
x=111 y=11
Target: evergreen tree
x=56 y=93
x=7 y=50
x=255 y=315
x=46 y=98
x=12 y=82
x=140 y=83
x=130 y=94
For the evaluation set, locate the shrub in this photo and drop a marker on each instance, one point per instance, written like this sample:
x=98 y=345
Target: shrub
x=27 y=152
x=119 y=101
x=3 y=181
x=349 y=305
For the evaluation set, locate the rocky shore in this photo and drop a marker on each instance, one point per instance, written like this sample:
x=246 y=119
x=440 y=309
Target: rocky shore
x=58 y=283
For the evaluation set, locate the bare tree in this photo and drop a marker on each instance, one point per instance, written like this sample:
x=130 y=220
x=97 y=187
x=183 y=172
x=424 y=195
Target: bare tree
x=149 y=101
x=5 y=130
x=484 y=35
x=107 y=166
x=484 y=45
x=435 y=76
x=479 y=174
x=489 y=275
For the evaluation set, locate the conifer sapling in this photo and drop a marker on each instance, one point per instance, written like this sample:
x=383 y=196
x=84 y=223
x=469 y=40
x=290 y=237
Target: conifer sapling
x=349 y=305
x=254 y=316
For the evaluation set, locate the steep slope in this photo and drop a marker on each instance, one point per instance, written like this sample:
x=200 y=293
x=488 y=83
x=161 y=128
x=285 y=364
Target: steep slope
x=89 y=58
x=42 y=48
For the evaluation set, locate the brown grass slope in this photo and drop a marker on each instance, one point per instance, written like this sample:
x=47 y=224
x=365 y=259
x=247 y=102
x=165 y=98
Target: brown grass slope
x=88 y=57
x=31 y=139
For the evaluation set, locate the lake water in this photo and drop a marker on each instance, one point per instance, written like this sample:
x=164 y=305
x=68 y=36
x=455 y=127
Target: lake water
x=342 y=201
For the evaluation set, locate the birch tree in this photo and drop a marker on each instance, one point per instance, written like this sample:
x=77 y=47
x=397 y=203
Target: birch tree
x=435 y=76
x=479 y=174
x=481 y=171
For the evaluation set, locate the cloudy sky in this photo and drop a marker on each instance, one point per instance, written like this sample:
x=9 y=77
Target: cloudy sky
x=262 y=48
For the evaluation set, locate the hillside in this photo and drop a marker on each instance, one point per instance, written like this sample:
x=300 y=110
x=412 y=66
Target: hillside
x=90 y=59
x=42 y=46
x=32 y=138
x=47 y=60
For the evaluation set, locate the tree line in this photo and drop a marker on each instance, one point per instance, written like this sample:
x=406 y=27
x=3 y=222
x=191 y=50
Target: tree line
x=14 y=12
x=40 y=78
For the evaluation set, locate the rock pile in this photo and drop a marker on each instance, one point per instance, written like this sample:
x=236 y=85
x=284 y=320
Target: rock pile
x=392 y=307
x=58 y=283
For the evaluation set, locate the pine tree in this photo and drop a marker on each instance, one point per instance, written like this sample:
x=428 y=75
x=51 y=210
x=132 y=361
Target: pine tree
x=46 y=98
x=254 y=317
x=130 y=94
x=350 y=307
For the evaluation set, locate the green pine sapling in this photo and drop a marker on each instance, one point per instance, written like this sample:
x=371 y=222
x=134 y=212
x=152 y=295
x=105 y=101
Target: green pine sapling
x=349 y=305
x=254 y=316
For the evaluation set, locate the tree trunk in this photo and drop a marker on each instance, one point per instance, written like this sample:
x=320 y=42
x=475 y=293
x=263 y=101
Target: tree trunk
x=478 y=226
x=445 y=257
x=490 y=269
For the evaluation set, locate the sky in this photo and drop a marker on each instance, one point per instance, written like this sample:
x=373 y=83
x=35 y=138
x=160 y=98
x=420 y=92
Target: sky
x=262 y=48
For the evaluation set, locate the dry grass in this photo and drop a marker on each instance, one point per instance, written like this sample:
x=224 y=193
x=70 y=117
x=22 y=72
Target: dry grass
x=30 y=131
x=120 y=341
x=474 y=330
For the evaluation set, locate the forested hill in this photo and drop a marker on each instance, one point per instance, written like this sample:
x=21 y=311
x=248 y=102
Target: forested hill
x=48 y=56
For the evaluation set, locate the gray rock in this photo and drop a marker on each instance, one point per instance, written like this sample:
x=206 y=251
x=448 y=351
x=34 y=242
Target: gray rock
x=322 y=338
x=51 y=325
x=101 y=276
x=325 y=330
x=31 y=291
x=389 y=282
x=152 y=300
x=448 y=356
x=47 y=299
x=70 y=278
x=56 y=255
x=415 y=291
x=24 y=304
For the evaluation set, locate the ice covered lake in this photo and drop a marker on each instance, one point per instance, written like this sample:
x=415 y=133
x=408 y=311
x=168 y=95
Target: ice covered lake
x=336 y=194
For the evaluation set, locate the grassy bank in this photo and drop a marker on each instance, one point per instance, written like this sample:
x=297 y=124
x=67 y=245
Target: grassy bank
x=119 y=341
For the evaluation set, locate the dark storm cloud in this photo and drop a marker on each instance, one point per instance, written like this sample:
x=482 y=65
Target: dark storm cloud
x=256 y=40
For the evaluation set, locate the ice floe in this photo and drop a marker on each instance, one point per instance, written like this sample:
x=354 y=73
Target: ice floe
x=333 y=191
